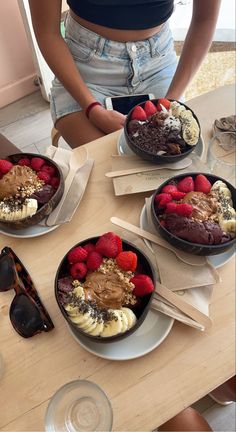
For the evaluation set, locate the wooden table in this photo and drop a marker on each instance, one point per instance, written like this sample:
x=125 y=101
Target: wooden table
x=144 y=392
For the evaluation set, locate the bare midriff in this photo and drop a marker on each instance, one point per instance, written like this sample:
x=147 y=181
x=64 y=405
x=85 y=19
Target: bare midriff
x=117 y=34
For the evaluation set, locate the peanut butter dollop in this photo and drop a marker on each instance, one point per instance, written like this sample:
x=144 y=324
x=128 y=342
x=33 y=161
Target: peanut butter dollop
x=204 y=205
x=19 y=179
x=107 y=290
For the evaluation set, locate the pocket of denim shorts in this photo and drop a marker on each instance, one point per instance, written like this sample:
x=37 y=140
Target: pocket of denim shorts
x=80 y=52
x=164 y=43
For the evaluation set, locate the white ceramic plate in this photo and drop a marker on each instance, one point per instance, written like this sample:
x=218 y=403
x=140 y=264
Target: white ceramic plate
x=30 y=232
x=124 y=150
x=216 y=260
x=149 y=336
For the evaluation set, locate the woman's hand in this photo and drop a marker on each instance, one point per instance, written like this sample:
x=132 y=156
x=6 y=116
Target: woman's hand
x=107 y=121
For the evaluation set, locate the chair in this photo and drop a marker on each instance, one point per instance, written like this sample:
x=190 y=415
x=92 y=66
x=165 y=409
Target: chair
x=55 y=136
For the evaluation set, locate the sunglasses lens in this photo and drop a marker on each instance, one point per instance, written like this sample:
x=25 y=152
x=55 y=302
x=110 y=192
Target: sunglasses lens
x=25 y=316
x=7 y=274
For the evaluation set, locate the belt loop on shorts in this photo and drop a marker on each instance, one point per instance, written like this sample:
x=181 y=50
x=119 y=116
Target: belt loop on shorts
x=100 y=45
x=152 y=46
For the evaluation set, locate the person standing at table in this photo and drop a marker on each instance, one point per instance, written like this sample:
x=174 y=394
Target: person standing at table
x=115 y=48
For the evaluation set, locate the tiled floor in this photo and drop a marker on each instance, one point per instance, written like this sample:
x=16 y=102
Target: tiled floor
x=27 y=123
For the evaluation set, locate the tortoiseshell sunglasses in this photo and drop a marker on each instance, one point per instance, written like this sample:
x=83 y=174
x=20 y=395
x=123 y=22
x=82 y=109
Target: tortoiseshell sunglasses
x=27 y=313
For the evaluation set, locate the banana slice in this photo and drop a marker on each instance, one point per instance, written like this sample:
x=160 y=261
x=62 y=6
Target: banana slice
x=97 y=330
x=81 y=319
x=124 y=320
x=79 y=292
x=228 y=226
x=71 y=310
x=131 y=317
x=113 y=327
x=29 y=208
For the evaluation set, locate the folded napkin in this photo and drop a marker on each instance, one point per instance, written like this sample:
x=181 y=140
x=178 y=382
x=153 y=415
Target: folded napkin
x=197 y=297
x=226 y=124
x=76 y=168
x=147 y=181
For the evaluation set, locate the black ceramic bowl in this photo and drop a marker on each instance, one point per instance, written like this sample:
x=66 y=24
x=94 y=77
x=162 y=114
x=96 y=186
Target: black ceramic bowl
x=44 y=209
x=186 y=246
x=144 y=266
x=151 y=157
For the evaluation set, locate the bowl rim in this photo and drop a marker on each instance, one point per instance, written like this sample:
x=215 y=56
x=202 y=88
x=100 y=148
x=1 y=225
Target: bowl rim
x=188 y=151
x=52 y=162
x=185 y=242
x=145 y=311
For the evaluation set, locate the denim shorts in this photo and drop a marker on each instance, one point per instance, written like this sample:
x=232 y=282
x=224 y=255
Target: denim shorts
x=111 y=68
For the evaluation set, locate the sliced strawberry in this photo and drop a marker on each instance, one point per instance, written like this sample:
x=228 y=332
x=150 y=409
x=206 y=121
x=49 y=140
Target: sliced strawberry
x=163 y=102
x=184 y=209
x=202 y=184
x=143 y=285
x=138 y=114
x=171 y=207
x=169 y=189
x=149 y=108
x=127 y=261
x=186 y=184
x=177 y=195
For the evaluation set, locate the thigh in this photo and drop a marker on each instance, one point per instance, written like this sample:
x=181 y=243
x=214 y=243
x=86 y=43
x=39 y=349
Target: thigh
x=77 y=130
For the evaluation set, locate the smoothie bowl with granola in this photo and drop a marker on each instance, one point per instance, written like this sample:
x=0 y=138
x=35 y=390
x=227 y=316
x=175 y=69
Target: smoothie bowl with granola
x=104 y=287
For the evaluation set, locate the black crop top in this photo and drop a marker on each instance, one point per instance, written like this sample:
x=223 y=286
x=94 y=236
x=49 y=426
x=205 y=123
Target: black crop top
x=123 y=14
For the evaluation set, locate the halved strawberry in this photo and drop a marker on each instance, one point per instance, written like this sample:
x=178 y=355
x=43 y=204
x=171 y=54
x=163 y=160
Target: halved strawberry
x=170 y=188
x=162 y=199
x=177 y=195
x=186 y=184
x=171 y=207
x=149 y=108
x=138 y=114
x=164 y=102
x=202 y=184
x=184 y=209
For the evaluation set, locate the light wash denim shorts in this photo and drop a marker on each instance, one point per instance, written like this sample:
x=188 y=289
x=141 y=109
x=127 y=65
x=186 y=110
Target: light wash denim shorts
x=112 y=68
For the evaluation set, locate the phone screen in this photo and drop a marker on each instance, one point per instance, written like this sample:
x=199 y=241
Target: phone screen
x=126 y=103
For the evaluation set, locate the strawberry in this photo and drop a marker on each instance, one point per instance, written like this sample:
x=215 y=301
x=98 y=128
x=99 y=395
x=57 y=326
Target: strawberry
x=171 y=207
x=143 y=285
x=107 y=245
x=94 y=260
x=169 y=189
x=78 y=254
x=89 y=247
x=184 y=209
x=202 y=184
x=186 y=184
x=149 y=109
x=49 y=169
x=177 y=195
x=78 y=270
x=162 y=199
x=127 y=261
x=55 y=181
x=5 y=166
x=42 y=175
x=138 y=114
x=164 y=102
x=24 y=162
x=37 y=163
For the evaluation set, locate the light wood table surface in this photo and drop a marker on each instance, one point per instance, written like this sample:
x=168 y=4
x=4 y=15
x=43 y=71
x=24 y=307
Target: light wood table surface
x=144 y=392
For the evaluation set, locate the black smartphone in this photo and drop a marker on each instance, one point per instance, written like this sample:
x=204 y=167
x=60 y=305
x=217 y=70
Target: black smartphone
x=124 y=104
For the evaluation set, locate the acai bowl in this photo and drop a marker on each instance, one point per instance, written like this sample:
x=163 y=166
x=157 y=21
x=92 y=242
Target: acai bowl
x=31 y=186
x=162 y=131
x=104 y=287
x=195 y=212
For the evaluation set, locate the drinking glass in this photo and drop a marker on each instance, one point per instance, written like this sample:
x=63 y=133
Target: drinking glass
x=79 y=406
x=221 y=155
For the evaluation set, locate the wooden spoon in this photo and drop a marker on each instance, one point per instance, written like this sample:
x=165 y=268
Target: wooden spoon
x=175 y=166
x=196 y=260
